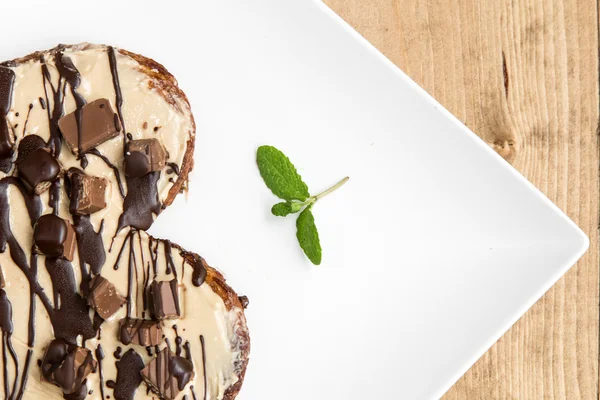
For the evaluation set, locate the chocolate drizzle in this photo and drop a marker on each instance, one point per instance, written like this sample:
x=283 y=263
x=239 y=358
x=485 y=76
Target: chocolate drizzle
x=174 y=168
x=169 y=257
x=112 y=61
x=6 y=326
x=199 y=273
x=118 y=260
x=70 y=316
x=58 y=97
x=54 y=196
x=132 y=266
x=129 y=375
x=27 y=119
x=25 y=374
x=99 y=358
x=34 y=206
x=204 y=365
x=71 y=75
x=178 y=341
x=89 y=246
x=141 y=202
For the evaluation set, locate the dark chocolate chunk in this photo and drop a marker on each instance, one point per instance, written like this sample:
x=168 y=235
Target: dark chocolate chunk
x=103 y=297
x=140 y=331
x=54 y=237
x=67 y=366
x=88 y=193
x=164 y=300
x=136 y=164
x=38 y=170
x=29 y=144
x=168 y=374
x=53 y=358
x=98 y=124
x=144 y=156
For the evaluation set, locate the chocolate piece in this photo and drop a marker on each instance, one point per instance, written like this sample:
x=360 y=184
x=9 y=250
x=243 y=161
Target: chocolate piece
x=29 y=144
x=164 y=300
x=54 y=237
x=38 y=170
x=7 y=143
x=98 y=124
x=168 y=374
x=67 y=366
x=140 y=331
x=103 y=297
x=144 y=156
x=88 y=193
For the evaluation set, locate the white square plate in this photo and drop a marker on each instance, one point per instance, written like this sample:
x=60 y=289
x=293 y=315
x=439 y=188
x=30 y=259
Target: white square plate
x=431 y=251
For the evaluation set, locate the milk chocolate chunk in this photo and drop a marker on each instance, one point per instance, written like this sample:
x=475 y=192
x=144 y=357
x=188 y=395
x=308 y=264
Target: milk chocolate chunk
x=88 y=193
x=38 y=170
x=164 y=300
x=140 y=331
x=168 y=374
x=144 y=156
x=54 y=237
x=103 y=297
x=67 y=365
x=98 y=123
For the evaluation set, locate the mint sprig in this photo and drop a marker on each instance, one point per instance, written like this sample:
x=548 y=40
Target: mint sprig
x=281 y=177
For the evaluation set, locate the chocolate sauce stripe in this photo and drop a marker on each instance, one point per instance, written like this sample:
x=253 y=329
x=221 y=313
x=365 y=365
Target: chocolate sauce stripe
x=204 y=365
x=70 y=75
x=15 y=359
x=112 y=60
x=5 y=365
x=27 y=120
x=99 y=357
x=132 y=265
x=25 y=374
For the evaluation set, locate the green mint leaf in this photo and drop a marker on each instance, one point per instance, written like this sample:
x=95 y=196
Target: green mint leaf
x=282 y=209
x=286 y=208
x=280 y=175
x=308 y=236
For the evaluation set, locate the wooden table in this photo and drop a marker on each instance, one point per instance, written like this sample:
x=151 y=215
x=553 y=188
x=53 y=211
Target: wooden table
x=523 y=75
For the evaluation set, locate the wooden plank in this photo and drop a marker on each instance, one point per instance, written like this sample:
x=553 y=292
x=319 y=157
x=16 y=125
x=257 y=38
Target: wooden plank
x=523 y=74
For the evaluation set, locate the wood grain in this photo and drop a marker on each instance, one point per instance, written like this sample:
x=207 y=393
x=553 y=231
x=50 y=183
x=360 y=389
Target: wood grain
x=523 y=75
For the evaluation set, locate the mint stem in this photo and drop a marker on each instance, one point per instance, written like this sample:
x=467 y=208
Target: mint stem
x=330 y=190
